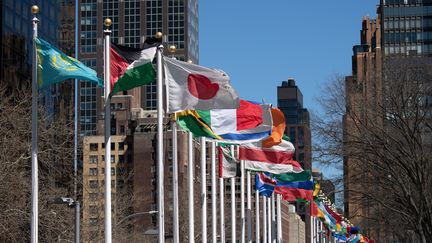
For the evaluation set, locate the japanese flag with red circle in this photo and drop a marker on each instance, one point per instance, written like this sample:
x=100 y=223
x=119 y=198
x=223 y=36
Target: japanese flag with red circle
x=190 y=87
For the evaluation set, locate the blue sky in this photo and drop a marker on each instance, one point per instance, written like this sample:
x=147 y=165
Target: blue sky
x=262 y=43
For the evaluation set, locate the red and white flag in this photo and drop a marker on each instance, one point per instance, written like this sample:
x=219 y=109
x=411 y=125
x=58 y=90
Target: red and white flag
x=192 y=87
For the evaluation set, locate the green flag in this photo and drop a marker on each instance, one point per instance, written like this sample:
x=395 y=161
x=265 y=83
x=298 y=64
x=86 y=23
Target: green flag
x=54 y=66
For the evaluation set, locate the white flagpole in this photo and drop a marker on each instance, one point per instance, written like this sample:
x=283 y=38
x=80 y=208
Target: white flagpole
x=257 y=217
x=108 y=223
x=233 y=211
x=76 y=82
x=264 y=219
x=160 y=162
x=273 y=221
x=249 y=207
x=203 y=191
x=242 y=202
x=233 y=206
x=279 y=219
x=213 y=192
x=190 y=189
x=176 y=238
x=269 y=221
x=222 y=209
x=34 y=147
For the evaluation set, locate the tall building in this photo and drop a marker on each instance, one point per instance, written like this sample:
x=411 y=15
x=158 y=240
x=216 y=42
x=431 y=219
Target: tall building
x=16 y=37
x=406 y=27
x=133 y=21
x=363 y=92
x=133 y=116
x=290 y=102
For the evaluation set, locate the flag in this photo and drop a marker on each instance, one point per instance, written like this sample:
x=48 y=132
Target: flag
x=277 y=154
x=192 y=87
x=250 y=122
x=278 y=129
x=336 y=216
x=259 y=166
x=54 y=66
x=229 y=166
x=132 y=67
x=291 y=191
x=301 y=176
x=191 y=121
x=264 y=184
x=317 y=189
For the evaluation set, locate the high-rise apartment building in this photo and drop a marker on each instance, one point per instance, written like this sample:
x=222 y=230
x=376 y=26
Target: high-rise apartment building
x=290 y=102
x=133 y=21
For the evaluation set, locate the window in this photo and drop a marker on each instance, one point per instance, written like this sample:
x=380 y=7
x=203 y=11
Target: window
x=93 y=184
x=121 y=159
x=93 y=159
x=121 y=145
x=93 y=196
x=93 y=221
x=93 y=209
x=112 y=171
x=93 y=147
x=93 y=171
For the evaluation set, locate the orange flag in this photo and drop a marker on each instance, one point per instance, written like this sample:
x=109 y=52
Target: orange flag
x=278 y=129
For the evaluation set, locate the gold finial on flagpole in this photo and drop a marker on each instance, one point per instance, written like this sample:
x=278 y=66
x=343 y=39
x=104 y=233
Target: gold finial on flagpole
x=35 y=9
x=172 y=48
x=108 y=22
x=158 y=35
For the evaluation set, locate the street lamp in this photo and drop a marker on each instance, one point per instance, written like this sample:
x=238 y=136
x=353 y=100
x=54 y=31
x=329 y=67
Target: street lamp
x=72 y=203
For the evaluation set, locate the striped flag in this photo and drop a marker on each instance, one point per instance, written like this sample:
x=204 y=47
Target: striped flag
x=229 y=166
x=291 y=191
x=264 y=184
x=132 y=67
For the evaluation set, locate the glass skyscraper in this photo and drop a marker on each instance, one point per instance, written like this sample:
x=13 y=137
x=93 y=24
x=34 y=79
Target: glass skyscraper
x=133 y=21
x=406 y=26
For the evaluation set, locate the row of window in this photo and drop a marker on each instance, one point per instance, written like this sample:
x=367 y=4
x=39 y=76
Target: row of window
x=407 y=11
x=95 y=146
x=94 y=171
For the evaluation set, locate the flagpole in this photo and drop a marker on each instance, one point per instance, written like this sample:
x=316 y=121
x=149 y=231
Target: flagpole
x=203 y=191
x=160 y=163
x=213 y=186
x=269 y=222
x=233 y=206
x=264 y=219
x=176 y=238
x=233 y=211
x=34 y=158
x=108 y=223
x=222 y=209
x=273 y=221
x=242 y=201
x=190 y=189
x=257 y=217
x=249 y=206
x=77 y=204
x=279 y=218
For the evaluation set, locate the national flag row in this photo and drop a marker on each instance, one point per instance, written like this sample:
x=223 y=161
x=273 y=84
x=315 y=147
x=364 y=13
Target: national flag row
x=336 y=225
x=188 y=86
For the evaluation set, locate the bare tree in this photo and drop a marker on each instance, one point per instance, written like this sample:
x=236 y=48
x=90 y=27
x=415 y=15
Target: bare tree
x=383 y=134
x=55 y=170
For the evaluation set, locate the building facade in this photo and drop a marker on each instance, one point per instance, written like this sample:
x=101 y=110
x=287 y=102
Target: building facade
x=290 y=102
x=133 y=21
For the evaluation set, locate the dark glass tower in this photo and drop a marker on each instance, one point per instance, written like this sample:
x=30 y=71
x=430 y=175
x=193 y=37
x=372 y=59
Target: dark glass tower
x=133 y=21
x=16 y=41
x=406 y=26
x=290 y=102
